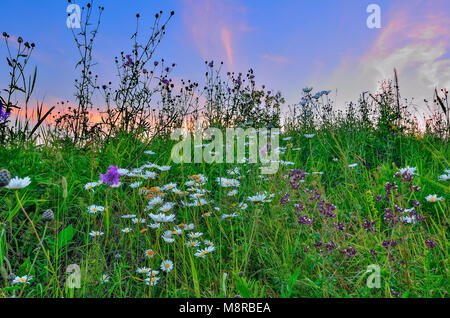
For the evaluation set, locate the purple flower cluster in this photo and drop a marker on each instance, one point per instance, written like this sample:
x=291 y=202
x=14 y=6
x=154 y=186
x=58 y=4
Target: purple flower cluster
x=349 y=252
x=315 y=194
x=3 y=115
x=407 y=177
x=129 y=61
x=296 y=177
x=369 y=226
x=339 y=225
x=389 y=243
x=330 y=246
x=111 y=177
x=430 y=244
x=390 y=187
x=304 y=219
x=285 y=198
x=327 y=209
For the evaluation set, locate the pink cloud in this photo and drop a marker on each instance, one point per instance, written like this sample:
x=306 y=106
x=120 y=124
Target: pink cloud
x=415 y=40
x=226 y=39
x=215 y=27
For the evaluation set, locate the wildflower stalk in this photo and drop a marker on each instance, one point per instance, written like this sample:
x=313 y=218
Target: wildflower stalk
x=39 y=239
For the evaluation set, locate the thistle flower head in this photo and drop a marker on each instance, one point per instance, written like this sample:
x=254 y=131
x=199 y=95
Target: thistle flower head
x=112 y=176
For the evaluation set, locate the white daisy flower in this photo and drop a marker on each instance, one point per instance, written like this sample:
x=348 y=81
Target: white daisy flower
x=94 y=209
x=199 y=202
x=195 y=235
x=166 y=207
x=167 y=237
x=309 y=136
x=154 y=201
x=177 y=231
x=126 y=230
x=22 y=280
x=104 y=279
x=149 y=152
x=243 y=206
x=189 y=227
x=91 y=185
x=96 y=233
x=196 y=195
x=257 y=198
x=226 y=183
x=135 y=185
x=176 y=190
x=192 y=243
x=149 y=253
x=148 y=175
x=162 y=218
x=228 y=216
x=153 y=273
x=433 y=198
x=232 y=193
x=17 y=183
x=170 y=186
x=352 y=165
x=138 y=221
x=234 y=171
x=143 y=270
x=152 y=281
x=167 y=266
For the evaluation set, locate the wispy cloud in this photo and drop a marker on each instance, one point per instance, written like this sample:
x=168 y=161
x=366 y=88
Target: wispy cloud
x=415 y=41
x=226 y=39
x=215 y=27
x=276 y=59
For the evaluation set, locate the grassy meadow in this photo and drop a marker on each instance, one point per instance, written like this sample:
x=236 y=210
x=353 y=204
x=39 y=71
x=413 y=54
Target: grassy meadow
x=261 y=249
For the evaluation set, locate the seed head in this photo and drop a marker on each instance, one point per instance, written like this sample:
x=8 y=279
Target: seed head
x=5 y=177
x=48 y=216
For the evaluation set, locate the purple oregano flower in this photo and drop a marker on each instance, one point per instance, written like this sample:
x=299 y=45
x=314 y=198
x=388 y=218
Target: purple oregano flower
x=111 y=177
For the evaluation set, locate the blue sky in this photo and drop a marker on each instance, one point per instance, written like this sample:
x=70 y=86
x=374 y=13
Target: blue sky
x=290 y=44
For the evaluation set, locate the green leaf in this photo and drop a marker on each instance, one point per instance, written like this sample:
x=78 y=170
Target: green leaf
x=65 y=236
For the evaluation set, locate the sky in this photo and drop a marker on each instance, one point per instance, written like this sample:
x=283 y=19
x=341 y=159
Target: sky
x=289 y=44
